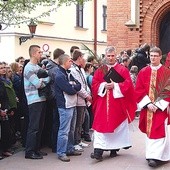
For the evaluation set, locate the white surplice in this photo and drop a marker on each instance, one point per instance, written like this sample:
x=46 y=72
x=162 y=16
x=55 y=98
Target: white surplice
x=159 y=148
x=118 y=139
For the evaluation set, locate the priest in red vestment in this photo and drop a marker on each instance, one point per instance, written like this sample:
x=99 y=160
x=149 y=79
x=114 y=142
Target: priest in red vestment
x=114 y=107
x=153 y=97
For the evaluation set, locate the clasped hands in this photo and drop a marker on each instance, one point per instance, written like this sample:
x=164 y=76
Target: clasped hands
x=109 y=85
x=3 y=113
x=89 y=99
x=152 y=108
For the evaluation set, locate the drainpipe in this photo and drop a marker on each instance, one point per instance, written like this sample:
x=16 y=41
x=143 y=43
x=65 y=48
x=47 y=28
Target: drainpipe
x=95 y=27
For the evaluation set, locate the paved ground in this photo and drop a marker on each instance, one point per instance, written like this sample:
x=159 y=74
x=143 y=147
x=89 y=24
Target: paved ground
x=132 y=159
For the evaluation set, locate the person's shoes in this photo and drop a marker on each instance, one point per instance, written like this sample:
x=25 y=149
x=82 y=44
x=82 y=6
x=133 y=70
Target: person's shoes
x=86 y=137
x=1 y=157
x=74 y=153
x=113 y=153
x=152 y=163
x=127 y=147
x=78 y=148
x=83 y=145
x=33 y=156
x=7 y=153
x=64 y=158
x=41 y=153
x=96 y=156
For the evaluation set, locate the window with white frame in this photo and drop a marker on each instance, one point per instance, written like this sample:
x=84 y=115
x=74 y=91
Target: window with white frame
x=79 y=15
x=104 y=17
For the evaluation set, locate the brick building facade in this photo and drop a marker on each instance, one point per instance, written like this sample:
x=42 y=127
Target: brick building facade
x=151 y=24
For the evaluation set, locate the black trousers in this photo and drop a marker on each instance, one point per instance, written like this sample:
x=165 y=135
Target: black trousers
x=35 y=127
x=79 y=122
x=5 y=135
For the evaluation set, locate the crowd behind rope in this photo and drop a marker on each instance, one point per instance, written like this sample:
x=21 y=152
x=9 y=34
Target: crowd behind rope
x=36 y=94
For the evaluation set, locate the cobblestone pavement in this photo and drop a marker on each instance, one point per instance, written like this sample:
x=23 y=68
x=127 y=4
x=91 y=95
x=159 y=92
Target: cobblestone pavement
x=132 y=159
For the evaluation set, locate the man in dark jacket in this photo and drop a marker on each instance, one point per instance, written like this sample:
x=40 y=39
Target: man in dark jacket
x=66 y=88
x=52 y=119
x=141 y=58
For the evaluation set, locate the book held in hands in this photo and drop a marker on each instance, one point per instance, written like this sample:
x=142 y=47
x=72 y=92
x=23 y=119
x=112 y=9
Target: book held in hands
x=114 y=76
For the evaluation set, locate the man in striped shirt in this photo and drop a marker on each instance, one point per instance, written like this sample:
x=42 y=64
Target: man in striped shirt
x=36 y=104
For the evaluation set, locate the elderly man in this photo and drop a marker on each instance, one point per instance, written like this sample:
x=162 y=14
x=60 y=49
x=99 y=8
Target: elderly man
x=111 y=107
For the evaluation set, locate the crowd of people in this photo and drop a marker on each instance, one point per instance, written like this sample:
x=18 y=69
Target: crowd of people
x=56 y=102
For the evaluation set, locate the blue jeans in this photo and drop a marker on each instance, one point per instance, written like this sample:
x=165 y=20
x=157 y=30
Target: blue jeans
x=65 y=143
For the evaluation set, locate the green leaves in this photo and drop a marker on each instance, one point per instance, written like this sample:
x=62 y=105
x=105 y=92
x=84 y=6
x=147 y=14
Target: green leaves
x=15 y=12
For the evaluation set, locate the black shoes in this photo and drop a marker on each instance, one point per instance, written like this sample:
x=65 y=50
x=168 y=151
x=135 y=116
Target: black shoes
x=74 y=153
x=113 y=153
x=41 y=153
x=128 y=147
x=33 y=156
x=96 y=156
x=154 y=163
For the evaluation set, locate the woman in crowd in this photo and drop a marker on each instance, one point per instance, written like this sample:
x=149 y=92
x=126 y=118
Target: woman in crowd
x=4 y=121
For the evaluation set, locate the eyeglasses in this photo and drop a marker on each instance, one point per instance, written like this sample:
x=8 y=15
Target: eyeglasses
x=2 y=68
x=154 y=56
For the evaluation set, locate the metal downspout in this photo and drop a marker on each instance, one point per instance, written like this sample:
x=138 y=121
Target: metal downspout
x=95 y=27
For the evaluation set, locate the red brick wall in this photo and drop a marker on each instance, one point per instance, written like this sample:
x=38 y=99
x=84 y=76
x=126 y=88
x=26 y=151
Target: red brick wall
x=151 y=14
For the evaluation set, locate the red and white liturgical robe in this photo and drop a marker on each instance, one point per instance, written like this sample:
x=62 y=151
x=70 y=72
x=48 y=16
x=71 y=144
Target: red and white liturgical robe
x=112 y=109
x=150 y=80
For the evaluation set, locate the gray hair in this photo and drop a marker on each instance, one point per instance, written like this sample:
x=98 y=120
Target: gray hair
x=63 y=58
x=109 y=49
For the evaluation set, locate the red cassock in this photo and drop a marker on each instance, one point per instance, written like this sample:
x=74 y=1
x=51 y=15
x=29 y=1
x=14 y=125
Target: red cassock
x=157 y=129
x=110 y=112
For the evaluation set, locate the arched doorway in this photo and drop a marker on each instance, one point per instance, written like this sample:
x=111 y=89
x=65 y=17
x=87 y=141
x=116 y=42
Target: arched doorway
x=164 y=38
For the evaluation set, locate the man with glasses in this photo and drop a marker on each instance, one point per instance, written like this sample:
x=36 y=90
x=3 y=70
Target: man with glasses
x=153 y=97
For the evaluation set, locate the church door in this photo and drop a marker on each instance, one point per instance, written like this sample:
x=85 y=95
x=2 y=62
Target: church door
x=165 y=34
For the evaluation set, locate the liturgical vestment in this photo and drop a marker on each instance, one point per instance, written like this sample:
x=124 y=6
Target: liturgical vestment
x=150 y=87
x=113 y=109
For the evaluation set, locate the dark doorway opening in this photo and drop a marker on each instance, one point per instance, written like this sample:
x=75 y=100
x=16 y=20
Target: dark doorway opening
x=165 y=34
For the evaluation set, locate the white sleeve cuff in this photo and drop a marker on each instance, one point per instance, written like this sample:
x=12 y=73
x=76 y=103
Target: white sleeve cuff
x=102 y=90
x=116 y=91
x=162 y=104
x=144 y=102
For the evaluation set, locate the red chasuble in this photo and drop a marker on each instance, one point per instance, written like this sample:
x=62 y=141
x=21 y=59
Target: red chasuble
x=152 y=123
x=110 y=112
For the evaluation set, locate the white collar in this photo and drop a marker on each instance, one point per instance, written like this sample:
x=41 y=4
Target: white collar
x=156 y=67
x=109 y=66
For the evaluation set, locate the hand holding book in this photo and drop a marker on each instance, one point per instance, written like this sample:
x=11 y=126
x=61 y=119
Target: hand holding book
x=113 y=75
x=109 y=85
